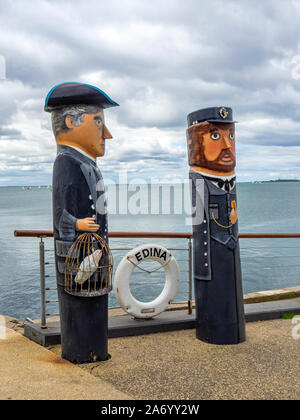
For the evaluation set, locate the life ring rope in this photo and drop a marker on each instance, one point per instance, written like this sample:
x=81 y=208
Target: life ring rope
x=147 y=271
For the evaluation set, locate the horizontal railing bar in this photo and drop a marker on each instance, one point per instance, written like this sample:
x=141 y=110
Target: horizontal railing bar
x=129 y=249
x=270 y=247
x=281 y=266
x=34 y=233
x=49 y=234
x=268 y=235
x=159 y=270
x=149 y=235
x=178 y=249
x=296 y=276
x=51 y=301
x=186 y=249
x=140 y=272
x=151 y=284
x=183 y=302
x=271 y=256
x=50 y=288
x=120 y=249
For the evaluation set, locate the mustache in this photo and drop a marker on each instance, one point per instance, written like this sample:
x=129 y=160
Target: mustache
x=225 y=152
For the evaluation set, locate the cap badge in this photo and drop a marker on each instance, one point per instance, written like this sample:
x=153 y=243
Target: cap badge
x=223 y=112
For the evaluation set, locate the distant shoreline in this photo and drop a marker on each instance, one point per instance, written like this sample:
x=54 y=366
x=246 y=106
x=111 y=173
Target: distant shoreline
x=28 y=187
x=280 y=180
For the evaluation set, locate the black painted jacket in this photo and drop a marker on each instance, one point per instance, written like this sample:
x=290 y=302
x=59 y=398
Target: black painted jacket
x=216 y=206
x=78 y=192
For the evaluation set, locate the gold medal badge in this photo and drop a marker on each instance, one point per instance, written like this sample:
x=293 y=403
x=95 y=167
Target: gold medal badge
x=233 y=216
x=233 y=213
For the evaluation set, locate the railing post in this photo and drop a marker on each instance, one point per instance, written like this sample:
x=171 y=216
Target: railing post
x=42 y=284
x=190 y=276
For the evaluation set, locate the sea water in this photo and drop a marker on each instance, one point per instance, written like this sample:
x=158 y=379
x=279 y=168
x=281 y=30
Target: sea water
x=262 y=208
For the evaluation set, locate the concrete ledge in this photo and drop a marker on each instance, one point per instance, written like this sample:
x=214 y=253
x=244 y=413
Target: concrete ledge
x=125 y=325
x=271 y=310
x=44 y=336
x=271 y=295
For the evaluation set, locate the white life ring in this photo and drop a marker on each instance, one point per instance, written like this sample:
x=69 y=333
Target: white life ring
x=122 y=278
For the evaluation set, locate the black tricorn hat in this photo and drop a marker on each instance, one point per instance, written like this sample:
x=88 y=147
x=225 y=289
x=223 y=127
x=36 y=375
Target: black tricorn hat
x=220 y=114
x=73 y=93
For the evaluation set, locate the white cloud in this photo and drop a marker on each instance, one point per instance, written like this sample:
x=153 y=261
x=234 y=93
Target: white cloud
x=160 y=61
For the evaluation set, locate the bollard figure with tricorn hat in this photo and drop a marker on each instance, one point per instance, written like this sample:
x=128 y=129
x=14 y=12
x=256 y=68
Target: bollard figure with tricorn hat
x=82 y=255
x=216 y=255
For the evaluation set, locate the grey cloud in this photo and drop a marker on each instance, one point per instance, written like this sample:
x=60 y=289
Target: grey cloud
x=277 y=140
x=159 y=60
x=8 y=132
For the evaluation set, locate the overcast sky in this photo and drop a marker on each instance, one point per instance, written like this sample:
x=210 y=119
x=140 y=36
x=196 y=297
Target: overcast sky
x=160 y=60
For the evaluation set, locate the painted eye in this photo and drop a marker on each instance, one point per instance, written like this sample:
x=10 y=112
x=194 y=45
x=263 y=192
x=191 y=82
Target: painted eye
x=231 y=135
x=99 y=122
x=215 y=136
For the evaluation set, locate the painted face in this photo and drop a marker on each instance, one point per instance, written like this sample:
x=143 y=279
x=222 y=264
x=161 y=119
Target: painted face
x=211 y=146
x=89 y=136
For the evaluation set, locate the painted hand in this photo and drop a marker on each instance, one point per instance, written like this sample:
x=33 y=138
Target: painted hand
x=87 y=225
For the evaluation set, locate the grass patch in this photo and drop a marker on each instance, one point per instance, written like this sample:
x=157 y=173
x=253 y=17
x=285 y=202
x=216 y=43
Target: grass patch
x=289 y=315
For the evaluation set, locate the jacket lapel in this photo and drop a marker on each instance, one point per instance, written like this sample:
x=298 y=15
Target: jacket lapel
x=90 y=177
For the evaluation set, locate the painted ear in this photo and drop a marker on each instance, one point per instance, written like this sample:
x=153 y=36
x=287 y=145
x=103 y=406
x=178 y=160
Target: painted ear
x=69 y=121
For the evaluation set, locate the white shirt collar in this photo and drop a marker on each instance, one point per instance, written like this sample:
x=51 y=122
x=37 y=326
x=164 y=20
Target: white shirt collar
x=224 y=178
x=83 y=153
x=216 y=184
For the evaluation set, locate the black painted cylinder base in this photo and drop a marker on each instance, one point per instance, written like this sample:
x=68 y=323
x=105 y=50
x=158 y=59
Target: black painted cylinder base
x=219 y=316
x=220 y=334
x=84 y=324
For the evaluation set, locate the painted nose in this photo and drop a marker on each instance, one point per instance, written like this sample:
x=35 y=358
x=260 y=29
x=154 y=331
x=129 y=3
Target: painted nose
x=106 y=133
x=226 y=143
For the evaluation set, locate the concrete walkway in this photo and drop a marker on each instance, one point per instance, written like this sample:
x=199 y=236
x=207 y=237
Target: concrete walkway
x=172 y=365
x=31 y=372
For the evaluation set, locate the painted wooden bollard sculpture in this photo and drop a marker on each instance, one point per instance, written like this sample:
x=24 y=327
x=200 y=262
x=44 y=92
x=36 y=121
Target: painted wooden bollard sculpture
x=217 y=267
x=79 y=218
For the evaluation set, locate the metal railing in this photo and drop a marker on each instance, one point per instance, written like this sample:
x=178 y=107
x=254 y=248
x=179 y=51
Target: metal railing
x=43 y=276
x=161 y=235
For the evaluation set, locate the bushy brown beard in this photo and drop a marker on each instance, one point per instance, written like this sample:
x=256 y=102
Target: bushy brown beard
x=214 y=165
x=196 y=154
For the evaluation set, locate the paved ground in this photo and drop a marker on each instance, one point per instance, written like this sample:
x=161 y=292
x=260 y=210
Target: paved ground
x=177 y=366
x=170 y=365
x=31 y=372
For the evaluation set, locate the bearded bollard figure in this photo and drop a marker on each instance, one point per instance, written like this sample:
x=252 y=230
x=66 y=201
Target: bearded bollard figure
x=79 y=209
x=217 y=268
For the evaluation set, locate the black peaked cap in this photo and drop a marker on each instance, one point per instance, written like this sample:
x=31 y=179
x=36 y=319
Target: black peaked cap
x=220 y=114
x=73 y=93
